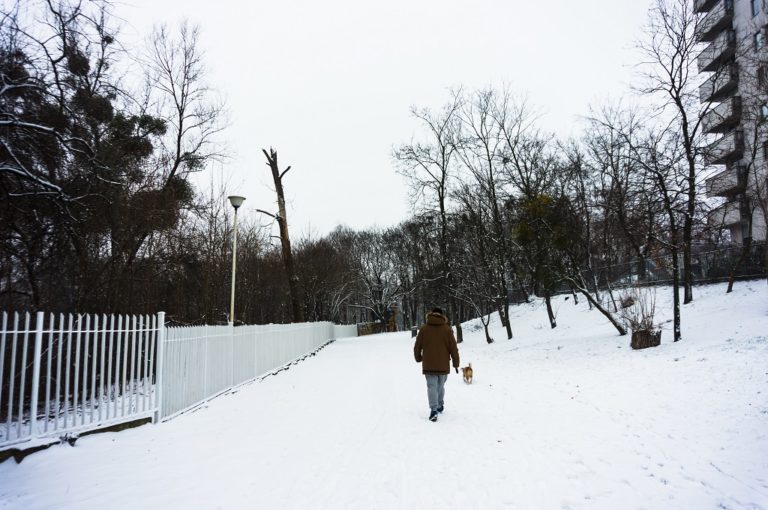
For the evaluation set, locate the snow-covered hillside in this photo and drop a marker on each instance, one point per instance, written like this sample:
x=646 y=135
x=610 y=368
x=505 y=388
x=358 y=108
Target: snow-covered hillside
x=555 y=419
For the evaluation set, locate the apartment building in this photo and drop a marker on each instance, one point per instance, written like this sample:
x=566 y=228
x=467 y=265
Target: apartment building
x=734 y=57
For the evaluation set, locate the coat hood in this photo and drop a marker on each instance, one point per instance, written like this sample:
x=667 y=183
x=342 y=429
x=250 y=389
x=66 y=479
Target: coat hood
x=436 y=319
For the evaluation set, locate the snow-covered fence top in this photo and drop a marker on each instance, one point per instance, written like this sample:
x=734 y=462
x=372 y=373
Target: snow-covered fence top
x=61 y=375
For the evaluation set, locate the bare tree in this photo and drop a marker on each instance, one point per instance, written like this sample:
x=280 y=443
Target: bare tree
x=670 y=50
x=627 y=212
x=660 y=156
x=429 y=167
x=285 y=240
x=481 y=151
x=176 y=72
x=477 y=283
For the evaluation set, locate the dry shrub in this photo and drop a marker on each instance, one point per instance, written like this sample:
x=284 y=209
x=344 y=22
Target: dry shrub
x=640 y=309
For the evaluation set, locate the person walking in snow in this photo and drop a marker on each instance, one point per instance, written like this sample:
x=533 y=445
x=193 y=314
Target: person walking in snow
x=435 y=347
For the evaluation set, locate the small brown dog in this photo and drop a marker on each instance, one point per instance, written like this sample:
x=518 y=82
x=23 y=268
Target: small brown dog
x=467 y=371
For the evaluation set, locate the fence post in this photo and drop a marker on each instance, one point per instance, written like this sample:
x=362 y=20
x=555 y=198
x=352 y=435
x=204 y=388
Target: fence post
x=36 y=372
x=232 y=365
x=159 y=369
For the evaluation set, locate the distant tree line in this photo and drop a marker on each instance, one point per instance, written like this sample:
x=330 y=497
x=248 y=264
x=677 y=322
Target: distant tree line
x=98 y=213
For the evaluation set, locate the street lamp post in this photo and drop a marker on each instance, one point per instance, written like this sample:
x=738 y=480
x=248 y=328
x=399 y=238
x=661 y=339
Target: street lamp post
x=236 y=202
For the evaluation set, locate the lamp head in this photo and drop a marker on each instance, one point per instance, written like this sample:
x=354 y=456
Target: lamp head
x=236 y=201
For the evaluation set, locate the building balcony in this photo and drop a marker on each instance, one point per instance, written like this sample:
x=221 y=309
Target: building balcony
x=718 y=52
x=718 y=19
x=727 y=183
x=726 y=215
x=704 y=5
x=721 y=84
x=723 y=117
x=727 y=149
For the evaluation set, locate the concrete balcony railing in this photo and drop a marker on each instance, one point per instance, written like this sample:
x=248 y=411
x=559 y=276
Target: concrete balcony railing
x=723 y=117
x=726 y=215
x=719 y=18
x=728 y=148
x=704 y=5
x=722 y=83
x=727 y=183
x=718 y=52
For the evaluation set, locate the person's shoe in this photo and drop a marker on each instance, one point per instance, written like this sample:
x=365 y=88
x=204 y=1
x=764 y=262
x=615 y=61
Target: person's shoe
x=440 y=409
x=433 y=416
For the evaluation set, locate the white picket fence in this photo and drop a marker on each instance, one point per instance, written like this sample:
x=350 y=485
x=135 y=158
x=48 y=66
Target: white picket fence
x=62 y=375
x=202 y=362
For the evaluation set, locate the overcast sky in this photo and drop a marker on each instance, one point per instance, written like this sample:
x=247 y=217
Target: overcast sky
x=329 y=84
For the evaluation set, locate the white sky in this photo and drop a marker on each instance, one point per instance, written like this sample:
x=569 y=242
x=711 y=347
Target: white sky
x=329 y=84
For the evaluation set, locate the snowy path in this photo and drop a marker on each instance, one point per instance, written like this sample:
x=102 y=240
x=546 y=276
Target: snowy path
x=563 y=419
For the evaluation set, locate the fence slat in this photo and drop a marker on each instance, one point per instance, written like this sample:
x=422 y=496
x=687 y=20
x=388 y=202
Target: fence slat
x=12 y=374
x=37 y=354
x=3 y=334
x=23 y=386
x=132 y=379
x=48 y=365
x=159 y=369
x=125 y=365
x=86 y=341
x=151 y=329
x=67 y=375
x=102 y=349
x=111 y=394
x=59 y=350
x=94 y=357
x=118 y=357
x=144 y=361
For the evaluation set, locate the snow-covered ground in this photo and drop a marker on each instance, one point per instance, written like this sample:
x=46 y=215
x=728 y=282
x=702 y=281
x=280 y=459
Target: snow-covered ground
x=555 y=419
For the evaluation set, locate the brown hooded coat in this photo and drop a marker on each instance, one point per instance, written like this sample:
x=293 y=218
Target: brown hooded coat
x=435 y=346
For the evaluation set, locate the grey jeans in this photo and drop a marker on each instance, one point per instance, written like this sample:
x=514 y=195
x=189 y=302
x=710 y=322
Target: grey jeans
x=435 y=390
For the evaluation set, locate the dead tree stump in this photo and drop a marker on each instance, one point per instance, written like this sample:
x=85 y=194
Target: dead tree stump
x=644 y=338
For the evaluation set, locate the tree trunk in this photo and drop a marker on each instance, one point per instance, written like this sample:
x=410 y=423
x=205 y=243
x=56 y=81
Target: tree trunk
x=676 y=292
x=610 y=294
x=508 y=324
x=688 y=223
x=285 y=240
x=576 y=298
x=457 y=318
x=488 y=338
x=641 y=270
x=687 y=269
x=550 y=313
x=744 y=252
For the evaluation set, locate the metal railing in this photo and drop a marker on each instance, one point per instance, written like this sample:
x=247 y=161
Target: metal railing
x=62 y=375
x=708 y=266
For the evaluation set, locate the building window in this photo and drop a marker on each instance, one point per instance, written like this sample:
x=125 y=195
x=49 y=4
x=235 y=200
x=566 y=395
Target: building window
x=755 y=7
x=762 y=76
x=759 y=40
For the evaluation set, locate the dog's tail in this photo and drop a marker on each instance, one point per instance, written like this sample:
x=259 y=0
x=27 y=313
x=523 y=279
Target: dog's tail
x=469 y=365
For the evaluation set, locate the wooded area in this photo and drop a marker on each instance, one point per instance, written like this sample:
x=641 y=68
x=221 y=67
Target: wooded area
x=99 y=215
